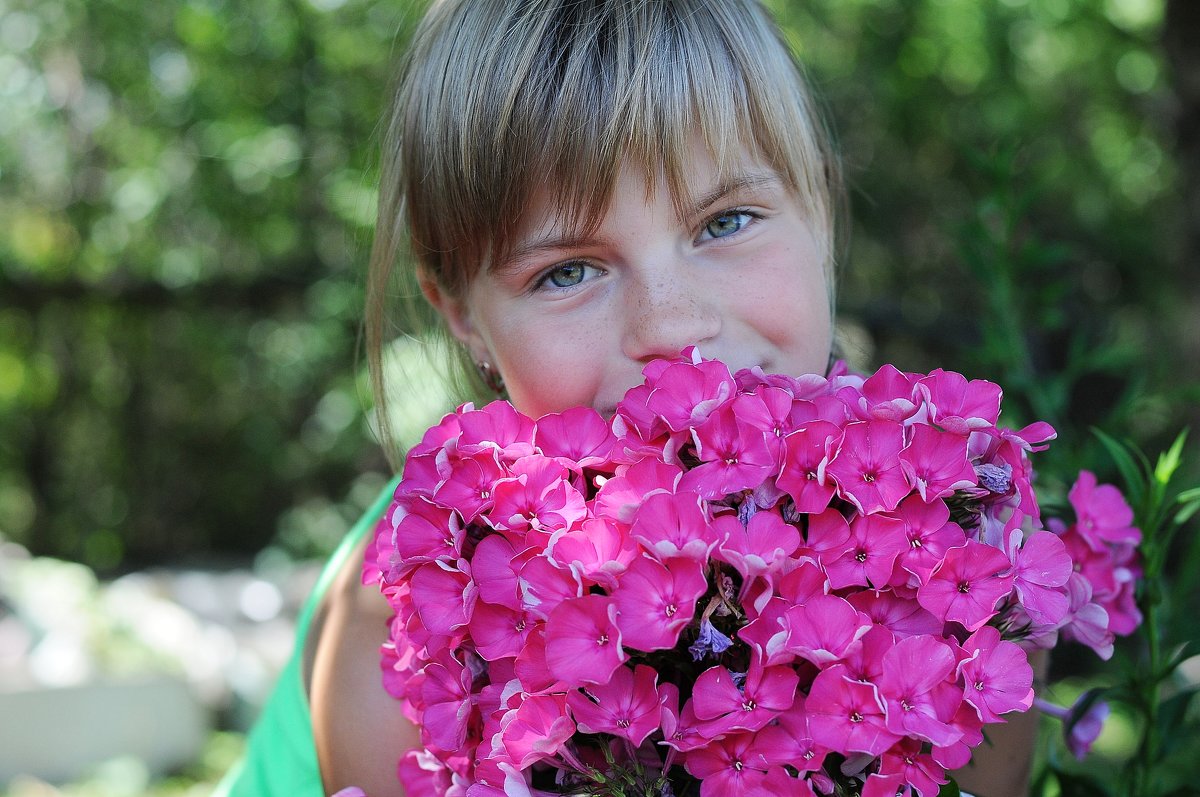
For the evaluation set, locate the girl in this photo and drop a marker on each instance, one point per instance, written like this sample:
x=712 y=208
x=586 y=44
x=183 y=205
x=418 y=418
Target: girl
x=582 y=186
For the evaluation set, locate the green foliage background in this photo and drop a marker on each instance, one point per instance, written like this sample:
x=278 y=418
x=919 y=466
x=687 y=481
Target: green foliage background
x=186 y=195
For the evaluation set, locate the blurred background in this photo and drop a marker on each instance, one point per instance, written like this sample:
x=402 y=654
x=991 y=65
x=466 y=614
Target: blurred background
x=186 y=201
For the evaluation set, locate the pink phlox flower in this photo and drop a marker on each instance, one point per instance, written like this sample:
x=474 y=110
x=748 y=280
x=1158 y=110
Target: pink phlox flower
x=1082 y=723
x=544 y=585
x=904 y=617
x=497 y=427
x=436 y=438
x=1041 y=567
x=423 y=472
x=930 y=533
x=628 y=706
x=656 y=601
x=958 y=405
x=967 y=585
x=916 y=769
x=444 y=595
x=685 y=393
x=396 y=668
x=847 y=715
x=537 y=497
x=804 y=386
x=1103 y=516
x=671 y=525
x=761 y=546
x=887 y=395
x=864 y=662
x=1087 y=621
x=958 y=755
x=680 y=728
x=1005 y=474
x=446 y=693
x=469 y=485
x=497 y=690
x=1111 y=571
x=805 y=455
x=583 y=641
x=495 y=777
x=1034 y=437
x=769 y=410
x=878 y=785
x=422 y=774
x=621 y=496
x=996 y=674
x=498 y=631
x=1124 y=617
x=536 y=729
x=824 y=629
x=731 y=767
x=866 y=466
x=423 y=532
x=870 y=554
x=767 y=634
x=531 y=668
x=803 y=582
x=913 y=672
x=599 y=550
x=494 y=566
x=826 y=537
x=578 y=437
x=936 y=463
x=789 y=741
x=639 y=432
x=724 y=702
x=733 y=454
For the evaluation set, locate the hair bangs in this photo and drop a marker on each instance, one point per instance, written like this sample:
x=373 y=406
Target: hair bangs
x=592 y=87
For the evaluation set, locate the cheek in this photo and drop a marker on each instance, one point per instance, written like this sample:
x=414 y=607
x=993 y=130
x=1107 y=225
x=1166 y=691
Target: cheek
x=789 y=303
x=547 y=370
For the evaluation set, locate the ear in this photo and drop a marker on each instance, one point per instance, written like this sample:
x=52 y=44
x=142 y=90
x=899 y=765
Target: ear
x=457 y=316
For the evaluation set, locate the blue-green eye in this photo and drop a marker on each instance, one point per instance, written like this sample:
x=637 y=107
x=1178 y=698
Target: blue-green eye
x=568 y=275
x=727 y=223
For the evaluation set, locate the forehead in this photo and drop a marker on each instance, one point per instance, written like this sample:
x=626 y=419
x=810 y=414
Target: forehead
x=559 y=210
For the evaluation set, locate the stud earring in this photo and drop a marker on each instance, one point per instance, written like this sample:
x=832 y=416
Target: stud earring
x=491 y=377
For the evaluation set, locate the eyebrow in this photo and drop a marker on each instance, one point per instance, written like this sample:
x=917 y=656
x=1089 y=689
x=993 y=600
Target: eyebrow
x=736 y=183
x=725 y=188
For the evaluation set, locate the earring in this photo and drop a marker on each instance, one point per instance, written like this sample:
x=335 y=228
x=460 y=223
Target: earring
x=491 y=377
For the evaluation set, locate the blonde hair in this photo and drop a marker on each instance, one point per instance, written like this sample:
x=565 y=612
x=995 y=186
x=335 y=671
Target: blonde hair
x=500 y=98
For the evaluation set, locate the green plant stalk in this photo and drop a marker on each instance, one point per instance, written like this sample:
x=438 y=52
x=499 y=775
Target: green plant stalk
x=1158 y=530
x=1149 y=691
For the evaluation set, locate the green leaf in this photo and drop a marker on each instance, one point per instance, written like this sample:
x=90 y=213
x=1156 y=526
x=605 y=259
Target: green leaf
x=1135 y=480
x=1177 y=657
x=1189 y=504
x=1171 y=715
x=1170 y=460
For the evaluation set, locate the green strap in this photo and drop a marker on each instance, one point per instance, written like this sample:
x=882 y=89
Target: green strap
x=280 y=759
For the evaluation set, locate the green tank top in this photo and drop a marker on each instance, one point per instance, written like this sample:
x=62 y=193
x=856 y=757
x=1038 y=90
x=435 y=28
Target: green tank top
x=280 y=759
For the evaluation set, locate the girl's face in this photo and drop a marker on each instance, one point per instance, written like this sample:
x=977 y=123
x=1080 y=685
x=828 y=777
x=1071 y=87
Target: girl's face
x=571 y=321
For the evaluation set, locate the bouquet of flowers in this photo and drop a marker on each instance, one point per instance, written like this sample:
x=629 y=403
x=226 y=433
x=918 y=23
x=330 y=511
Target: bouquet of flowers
x=742 y=584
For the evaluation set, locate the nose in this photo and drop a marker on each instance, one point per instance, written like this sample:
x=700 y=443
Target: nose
x=668 y=310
